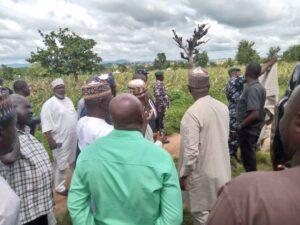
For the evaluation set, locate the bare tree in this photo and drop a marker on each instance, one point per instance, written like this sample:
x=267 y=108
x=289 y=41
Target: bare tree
x=190 y=48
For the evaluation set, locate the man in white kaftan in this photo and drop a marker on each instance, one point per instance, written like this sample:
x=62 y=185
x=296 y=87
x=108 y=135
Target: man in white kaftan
x=58 y=119
x=204 y=161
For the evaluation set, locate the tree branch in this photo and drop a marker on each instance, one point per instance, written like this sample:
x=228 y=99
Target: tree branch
x=192 y=43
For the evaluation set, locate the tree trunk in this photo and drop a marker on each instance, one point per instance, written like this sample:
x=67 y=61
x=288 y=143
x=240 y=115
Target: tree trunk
x=76 y=77
x=191 y=61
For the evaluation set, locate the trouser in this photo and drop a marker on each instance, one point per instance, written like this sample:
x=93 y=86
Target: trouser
x=60 y=178
x=248 y=149
x=42 y=220
x=160 y=121
x=200 y=218
x=233 y=141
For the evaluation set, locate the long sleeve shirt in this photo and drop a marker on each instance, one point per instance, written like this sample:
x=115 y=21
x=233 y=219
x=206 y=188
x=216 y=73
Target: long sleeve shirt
x=129 y=180
x=204 y=156
x=9 y=205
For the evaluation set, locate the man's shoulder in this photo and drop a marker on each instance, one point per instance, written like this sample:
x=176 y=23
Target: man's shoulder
x=219 y=103
x=204 y=104
x=153 y=154
x=49 y=101
x=256 y=86
x=67 y=99
x=248 y=182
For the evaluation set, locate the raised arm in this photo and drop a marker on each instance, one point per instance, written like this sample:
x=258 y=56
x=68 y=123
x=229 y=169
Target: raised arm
x=171 y=199
x=48 y=126
x=270 y=63
x=11 y=157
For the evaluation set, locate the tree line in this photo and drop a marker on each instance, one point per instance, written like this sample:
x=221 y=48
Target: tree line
x=66 y=53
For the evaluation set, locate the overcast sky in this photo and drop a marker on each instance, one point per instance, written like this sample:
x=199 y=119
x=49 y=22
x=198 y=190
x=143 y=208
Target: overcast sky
x=139 y=29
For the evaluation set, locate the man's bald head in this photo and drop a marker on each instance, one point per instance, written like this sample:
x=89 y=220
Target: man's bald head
x=23 y=108
x=127 y=112
x=290 y=125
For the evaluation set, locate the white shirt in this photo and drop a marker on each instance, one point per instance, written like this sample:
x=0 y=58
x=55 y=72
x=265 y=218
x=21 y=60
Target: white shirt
x=60 y=117
x=9 y=205
x=89 y=129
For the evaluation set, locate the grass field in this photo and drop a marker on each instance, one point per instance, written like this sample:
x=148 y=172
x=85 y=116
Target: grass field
x=176 y=84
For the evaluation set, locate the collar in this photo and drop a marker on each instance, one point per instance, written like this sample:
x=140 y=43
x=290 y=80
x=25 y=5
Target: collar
x=253 y=82
x=130 y=134
x=27 y=130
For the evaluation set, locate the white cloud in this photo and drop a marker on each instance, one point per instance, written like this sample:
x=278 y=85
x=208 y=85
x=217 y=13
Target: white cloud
x=139 y=29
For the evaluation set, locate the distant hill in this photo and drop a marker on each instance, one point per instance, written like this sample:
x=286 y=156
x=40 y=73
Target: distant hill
x=18 y=65
x=117 y=62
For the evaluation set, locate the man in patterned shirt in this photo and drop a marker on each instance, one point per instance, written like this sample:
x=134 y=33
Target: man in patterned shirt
x=30 y=175
x=234 y=90
x=161 y=102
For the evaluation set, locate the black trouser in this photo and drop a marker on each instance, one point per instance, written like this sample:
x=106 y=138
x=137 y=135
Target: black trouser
x=160 y=121
x=42 y=220
x=248 y=148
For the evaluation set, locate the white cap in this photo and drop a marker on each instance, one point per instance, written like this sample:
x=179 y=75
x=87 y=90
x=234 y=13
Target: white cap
x=57 y=82
x=104 y=76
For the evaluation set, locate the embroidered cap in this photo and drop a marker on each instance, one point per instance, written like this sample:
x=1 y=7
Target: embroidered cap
x=96 y=90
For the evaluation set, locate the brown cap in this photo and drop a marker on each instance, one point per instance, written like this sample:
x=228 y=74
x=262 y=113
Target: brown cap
x=96 y=90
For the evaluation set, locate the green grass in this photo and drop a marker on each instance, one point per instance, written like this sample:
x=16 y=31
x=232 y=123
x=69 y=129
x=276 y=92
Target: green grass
x=176 y=84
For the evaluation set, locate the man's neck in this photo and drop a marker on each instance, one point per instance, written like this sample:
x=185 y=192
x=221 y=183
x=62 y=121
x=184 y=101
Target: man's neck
x=196 y=98
x=296 y=159
x=250 y=80
x=60 y=97
x=96 y=114
x=21 y=127
x=20 y=93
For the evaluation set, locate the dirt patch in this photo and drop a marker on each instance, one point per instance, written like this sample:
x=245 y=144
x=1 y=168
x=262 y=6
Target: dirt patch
x=174 y=146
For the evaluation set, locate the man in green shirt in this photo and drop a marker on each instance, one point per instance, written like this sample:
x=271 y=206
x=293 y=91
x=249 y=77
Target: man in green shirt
x=130 y=180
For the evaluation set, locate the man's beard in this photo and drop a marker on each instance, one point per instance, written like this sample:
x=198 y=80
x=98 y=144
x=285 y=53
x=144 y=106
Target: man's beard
x=60 y=96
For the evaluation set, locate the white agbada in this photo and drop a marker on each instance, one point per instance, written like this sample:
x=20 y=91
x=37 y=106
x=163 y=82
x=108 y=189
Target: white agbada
x=204 y=155
x=60 y=117
x=89 y=129
x=9 y=205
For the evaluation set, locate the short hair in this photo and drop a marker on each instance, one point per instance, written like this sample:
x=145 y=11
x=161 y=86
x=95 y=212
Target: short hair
x=253 y=69
x=7 y=110
x=19 y=85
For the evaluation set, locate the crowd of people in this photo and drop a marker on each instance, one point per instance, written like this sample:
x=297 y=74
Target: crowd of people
x=122 y=175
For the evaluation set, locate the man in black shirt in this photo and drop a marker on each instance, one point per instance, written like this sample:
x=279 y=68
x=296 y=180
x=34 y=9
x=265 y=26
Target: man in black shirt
x=250 y=115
